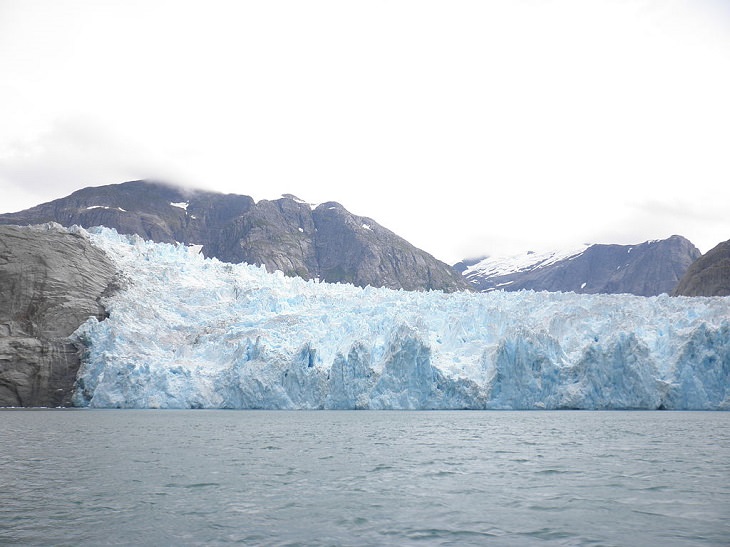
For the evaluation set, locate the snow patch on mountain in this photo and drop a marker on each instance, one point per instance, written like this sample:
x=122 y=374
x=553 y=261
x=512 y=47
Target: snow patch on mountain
x=505 y=265
x=191 y=332
x=312 y=206
x=105 y=207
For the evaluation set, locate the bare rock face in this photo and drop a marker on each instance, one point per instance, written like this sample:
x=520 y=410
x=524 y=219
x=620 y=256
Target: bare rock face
x=325 y=242
x=51 y=281
x=709 y=275
x=358 y=250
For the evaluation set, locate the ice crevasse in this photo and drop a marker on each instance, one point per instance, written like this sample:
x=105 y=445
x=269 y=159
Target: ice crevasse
x=190 y=332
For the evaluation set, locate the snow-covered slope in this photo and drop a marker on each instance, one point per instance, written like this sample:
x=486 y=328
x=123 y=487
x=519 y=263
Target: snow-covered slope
x=499 y=266
x=645 y=269
x=193 y=332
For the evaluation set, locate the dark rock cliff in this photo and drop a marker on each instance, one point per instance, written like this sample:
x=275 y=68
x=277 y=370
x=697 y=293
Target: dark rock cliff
x=51 y=281
x=709 y=275
x=286 y=234
x=646 y=269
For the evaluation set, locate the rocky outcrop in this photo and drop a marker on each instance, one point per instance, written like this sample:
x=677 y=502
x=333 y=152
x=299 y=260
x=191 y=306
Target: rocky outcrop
x=358 y=250
x=51 y=281
x=647 y=269
x=325 y=242
x=709 y=275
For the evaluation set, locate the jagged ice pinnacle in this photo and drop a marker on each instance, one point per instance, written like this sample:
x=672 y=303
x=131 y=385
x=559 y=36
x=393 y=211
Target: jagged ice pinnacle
x=190 y=332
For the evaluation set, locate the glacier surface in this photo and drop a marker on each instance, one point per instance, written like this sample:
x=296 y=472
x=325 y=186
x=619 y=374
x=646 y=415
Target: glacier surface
x=190 y=332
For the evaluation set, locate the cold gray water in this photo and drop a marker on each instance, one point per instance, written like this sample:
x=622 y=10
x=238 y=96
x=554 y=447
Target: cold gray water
x=124 y=477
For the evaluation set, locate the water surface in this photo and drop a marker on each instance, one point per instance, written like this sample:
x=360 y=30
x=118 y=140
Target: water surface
x=194 y=477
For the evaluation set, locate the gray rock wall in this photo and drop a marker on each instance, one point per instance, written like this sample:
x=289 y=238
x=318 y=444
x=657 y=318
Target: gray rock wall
x=51 y=281
x=709 y=275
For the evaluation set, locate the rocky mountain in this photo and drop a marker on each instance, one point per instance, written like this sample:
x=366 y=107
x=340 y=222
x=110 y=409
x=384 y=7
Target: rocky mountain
x=709 y=275
x=645 y=269
x=324 y=241
x=51 y=281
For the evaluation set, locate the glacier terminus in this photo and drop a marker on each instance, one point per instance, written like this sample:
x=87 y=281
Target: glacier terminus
x=189 y=332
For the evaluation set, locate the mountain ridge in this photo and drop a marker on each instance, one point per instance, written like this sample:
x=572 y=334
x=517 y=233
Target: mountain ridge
x=644 y=269
x=326 y=242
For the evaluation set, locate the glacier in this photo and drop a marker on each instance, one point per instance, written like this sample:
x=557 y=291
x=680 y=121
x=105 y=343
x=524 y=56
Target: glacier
x=189 y=332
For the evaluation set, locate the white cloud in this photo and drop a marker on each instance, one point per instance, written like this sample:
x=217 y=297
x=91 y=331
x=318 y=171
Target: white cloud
x=467 y=128
x=73 y=154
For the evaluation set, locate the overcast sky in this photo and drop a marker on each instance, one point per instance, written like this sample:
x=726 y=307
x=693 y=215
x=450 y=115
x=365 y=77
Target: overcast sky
x=467 y=127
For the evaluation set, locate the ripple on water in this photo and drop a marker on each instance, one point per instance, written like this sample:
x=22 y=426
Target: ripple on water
x=371 y=478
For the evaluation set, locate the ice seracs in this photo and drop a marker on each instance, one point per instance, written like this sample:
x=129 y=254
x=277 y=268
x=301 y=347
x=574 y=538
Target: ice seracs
x=191 y=332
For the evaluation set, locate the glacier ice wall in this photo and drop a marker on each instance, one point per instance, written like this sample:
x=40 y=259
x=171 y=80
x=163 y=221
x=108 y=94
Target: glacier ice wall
x=189 y=332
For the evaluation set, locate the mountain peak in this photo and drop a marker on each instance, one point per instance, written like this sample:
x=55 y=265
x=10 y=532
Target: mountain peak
x=288 y=234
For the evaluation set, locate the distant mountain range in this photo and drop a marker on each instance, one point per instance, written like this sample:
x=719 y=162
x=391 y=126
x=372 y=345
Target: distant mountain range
x=645 y=269
x=324 y=241
x=327 y=242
